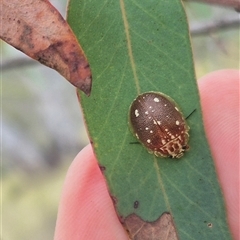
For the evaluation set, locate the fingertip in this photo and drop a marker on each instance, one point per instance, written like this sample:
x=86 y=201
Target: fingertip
x=219 y=92
x=86 y=210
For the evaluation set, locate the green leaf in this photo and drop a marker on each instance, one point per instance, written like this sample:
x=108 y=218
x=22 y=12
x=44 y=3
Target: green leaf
x=134 y=47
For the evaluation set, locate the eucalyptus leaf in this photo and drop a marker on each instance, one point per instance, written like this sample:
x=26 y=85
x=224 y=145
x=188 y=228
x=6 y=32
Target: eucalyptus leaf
x=135 y=47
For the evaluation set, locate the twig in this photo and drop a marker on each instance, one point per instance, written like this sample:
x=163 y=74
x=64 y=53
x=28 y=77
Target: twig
x=17 y=63
x=204 y=28
x=227 y=3
x=196 y=29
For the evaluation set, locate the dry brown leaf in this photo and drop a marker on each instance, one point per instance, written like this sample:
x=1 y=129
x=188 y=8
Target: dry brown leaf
x=161 y=229
x=36 y=28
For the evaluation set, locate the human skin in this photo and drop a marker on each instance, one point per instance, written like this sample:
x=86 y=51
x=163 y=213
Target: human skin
x=86 y=210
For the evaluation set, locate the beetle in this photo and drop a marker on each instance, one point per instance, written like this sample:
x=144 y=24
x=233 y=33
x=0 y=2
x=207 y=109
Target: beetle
x=159 y=125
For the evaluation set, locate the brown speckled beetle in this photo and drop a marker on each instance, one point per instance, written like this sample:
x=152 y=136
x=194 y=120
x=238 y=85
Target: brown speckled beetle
x=159 y=125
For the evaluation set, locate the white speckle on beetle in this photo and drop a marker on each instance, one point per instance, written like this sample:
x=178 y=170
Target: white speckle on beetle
x=146 y=128
x=166 y=130
x=156 y=99
x=146 y=112
x=151 y=131
x=136 y=113
x=177 y=122
x=154 y=122
x=159 y=123
x=163 y=141
x=148 y=141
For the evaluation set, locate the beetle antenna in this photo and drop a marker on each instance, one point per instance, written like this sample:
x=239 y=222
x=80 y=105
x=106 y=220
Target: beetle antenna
x=191 y=113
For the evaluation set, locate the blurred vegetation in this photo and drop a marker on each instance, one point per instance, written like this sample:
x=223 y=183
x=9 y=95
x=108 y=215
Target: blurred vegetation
x=30 y=203
x=218 y=49
x=43 y=130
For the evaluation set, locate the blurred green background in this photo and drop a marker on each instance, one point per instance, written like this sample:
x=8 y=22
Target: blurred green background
x=42 y=125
